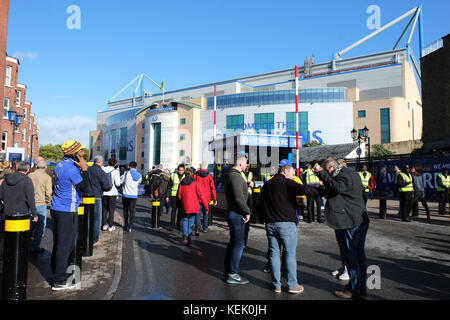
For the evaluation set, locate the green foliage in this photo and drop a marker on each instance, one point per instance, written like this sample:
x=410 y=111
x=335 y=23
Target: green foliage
x=380 y=151
x=54 y=152
x=312 y=143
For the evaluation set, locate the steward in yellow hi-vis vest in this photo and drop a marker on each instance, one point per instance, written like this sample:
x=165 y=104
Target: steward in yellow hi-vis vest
x=443 y=189
x=365 y=179
x=406 y=189
x=175 y=214
x=310 y=178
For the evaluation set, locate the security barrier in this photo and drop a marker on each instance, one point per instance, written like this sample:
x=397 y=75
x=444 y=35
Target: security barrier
x=210 y=213
x=15 y=257
x=156 y=212
x=383 y=210
x=88 y=226
x=75 y=259
x=254 y=216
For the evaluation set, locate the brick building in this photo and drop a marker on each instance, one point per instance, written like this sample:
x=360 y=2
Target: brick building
x=435 y=67
x=24 y=139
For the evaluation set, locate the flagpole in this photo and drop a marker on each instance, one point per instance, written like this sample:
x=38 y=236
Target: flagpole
x=215 y=112
x=297 y=125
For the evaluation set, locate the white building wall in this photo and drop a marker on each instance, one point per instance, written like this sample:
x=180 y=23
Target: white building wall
x=169 y=138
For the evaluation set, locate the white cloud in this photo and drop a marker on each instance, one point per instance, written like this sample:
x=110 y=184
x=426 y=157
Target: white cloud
x=57 y=130
x=26 y=55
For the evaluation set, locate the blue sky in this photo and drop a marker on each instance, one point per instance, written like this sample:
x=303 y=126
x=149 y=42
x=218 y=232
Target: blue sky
x=70 y=74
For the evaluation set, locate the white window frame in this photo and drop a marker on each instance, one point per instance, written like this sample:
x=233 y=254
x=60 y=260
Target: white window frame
x=8 y=76
x=18 y=97
x=5 y=141
x=24 y=134
x=6 y=108
x=25 y=113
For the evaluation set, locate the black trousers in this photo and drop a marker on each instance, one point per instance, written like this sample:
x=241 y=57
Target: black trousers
x=407 y=198
x=365 y=197
x=419 y=196
x=310 y=208
x=443 y=200
x=175 y=214
x=108 y=209
x=129 y=211
x=65 y=229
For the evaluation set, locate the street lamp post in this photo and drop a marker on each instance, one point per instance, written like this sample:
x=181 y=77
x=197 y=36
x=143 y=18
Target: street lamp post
x=15 y=119
x=32 y=140
x=356 y=136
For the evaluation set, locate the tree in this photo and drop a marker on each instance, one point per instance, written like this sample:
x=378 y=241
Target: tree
x=380 y=151
x=312 y=143
x=54 y=152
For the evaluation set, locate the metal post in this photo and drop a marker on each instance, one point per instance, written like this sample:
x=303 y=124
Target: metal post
x=156 y=205
x=88 y=226
x=256 y=194
x=297 y=124
x=76 y=254
x=210 y=214
x=15 y=256
x=383 y=206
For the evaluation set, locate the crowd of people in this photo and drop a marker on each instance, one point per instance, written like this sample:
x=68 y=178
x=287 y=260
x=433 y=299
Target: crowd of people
x=186 y=196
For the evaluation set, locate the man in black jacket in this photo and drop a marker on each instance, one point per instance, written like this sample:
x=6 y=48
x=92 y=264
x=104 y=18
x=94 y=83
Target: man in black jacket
x=98 y=182
x=17 y=192
x=277 y=209
x=238 y=216
x=345 y=212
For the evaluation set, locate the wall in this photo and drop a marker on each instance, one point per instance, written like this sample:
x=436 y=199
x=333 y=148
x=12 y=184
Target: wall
x=4 y=12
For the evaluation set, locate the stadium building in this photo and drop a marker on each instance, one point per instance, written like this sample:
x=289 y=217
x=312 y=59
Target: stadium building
x=378 y=91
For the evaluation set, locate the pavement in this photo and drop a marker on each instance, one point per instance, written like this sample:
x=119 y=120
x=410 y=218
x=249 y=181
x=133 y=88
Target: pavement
x=105 y=275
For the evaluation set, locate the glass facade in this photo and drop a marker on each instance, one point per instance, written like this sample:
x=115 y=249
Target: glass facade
x=123 y=143
x=113 y=143
x=235 y=124
x=278 y=97
x=303 y=125
x=264 y=123
x=385 y=124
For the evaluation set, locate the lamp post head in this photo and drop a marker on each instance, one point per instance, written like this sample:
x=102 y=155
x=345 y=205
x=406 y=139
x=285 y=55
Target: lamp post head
x=12 y=115
x=366 y=132
x=354 y=134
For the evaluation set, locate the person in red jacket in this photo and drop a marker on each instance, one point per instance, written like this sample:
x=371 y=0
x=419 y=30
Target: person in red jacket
x=206 y=184
x=190 y=196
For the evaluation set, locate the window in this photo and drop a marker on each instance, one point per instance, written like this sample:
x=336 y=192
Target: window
x=143 y=125
x=235 y=123
x=5 y=108
x=18 y=94
x=182 y=137
x=25 y=114
x=98 y=148
x=123 y=143
x=4 y=140
x=24 y=134
x=303 y=125
x=113 y=143
x=181 y=153
x=361 y=113
x=142 y=166
x=143 y=139
x=264 y=123
x=385 y=125
x=361 y=132
x=183 y=121
x=8 y=76
x=142 y=154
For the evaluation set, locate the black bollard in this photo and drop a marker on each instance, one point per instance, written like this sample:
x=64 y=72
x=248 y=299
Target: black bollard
x=156 y=206
x=256 y=195
x=210 y=213
x=88 y=226
x=383 y=208
x=75 y=261
x=15 y=256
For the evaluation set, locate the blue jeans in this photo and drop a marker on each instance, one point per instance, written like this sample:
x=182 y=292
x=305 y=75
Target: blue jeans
x=98 y=208
x=238 y=241
x=355 y=257
x=283 y=234
x=205 y=218
x=187 y=223
x=38 y=228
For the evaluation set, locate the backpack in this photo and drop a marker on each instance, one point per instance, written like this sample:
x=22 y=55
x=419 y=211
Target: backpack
x=109 y=179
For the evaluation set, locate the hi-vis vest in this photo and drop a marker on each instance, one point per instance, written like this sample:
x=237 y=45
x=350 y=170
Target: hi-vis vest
x=365 y=181
x=445 y=182
x=408 y=179
x=250 y=177
x=266 y=176
x=311 y=178
x=175 y=183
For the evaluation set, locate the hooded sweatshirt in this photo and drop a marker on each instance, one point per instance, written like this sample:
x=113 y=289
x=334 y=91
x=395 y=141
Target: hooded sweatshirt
x=130 y=181
x=190 y=196
x=17 y=193
x=206 y=184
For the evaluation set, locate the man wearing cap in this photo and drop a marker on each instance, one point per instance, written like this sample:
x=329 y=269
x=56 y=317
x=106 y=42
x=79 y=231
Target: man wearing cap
x=71 y=181
x=98 y=182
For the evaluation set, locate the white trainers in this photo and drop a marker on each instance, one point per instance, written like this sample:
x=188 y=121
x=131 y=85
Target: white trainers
x=338 y=272
x=105 y=227
x=344 y=276
x=111 y=228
